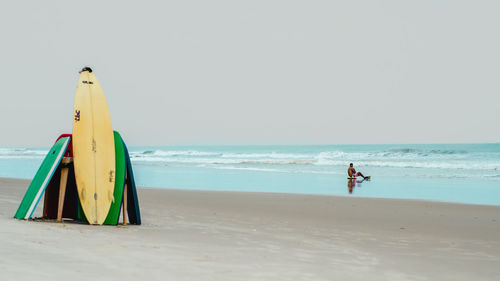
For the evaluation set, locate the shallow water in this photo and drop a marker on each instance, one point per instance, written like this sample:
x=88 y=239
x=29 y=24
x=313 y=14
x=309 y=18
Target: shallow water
x=467 y=173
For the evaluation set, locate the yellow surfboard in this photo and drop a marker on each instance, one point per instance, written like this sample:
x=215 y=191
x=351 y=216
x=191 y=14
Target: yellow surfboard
x=93 y=148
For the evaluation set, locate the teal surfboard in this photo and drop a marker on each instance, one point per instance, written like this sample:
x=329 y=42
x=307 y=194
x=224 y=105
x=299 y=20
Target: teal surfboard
x=114 y=210
x=41 y=179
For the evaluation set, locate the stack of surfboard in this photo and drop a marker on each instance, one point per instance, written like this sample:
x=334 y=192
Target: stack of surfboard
x=100 y=179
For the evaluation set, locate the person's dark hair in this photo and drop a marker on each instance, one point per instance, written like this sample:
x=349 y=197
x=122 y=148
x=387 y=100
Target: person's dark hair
x=350 y=164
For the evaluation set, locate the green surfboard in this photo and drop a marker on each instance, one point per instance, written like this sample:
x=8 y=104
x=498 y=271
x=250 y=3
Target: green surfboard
x=80 y=216
x=41 y=179
x=114 y=210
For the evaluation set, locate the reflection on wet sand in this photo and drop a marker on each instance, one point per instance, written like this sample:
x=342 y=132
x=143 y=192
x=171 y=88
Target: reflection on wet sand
x=351 y=184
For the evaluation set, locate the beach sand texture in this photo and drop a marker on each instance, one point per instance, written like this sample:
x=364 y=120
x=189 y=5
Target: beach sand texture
x=204 y=235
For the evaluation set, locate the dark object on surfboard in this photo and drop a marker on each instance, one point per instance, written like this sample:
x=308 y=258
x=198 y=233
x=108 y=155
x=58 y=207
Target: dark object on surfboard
x=86 y=68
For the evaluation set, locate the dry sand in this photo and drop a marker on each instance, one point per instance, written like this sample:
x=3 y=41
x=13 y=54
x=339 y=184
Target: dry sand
x=202 y=235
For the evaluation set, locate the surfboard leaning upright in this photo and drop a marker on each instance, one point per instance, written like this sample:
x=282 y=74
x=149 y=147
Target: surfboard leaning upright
x=93 y=148
x=42 y=178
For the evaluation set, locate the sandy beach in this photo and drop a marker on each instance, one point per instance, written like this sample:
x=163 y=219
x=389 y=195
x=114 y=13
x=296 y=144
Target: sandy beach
x=204 y=235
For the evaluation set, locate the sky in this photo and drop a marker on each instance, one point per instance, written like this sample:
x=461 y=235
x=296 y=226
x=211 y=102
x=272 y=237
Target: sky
x=255 y=72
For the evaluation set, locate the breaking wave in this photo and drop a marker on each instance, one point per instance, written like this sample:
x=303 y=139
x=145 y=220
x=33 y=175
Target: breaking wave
x=441 y=160
x=22 y=153
x=385 y=158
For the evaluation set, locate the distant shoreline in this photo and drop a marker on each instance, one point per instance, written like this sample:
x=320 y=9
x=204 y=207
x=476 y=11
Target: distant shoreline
x=242 y=192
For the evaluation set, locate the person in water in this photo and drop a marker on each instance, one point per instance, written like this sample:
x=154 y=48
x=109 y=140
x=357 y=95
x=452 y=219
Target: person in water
x=352 y=172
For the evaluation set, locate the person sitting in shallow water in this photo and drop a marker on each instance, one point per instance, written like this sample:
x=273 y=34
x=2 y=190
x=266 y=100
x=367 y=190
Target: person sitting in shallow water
x=352 y=172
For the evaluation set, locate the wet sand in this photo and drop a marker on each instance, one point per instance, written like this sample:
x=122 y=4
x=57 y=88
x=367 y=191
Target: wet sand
x=211 y=235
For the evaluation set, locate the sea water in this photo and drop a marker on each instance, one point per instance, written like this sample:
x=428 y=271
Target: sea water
x=466 y=173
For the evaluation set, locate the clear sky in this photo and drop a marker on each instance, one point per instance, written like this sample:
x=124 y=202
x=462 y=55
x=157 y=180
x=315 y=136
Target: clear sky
x=255 y=72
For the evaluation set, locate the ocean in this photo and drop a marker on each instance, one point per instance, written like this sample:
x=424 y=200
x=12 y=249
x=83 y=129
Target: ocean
x=464 y=173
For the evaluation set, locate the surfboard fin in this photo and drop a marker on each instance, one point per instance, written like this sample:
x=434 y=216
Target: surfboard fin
x=111 y=196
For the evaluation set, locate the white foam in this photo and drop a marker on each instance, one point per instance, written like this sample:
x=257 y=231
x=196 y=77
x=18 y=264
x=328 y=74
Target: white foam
x=396 y=158
x=170 y=153
x=22 y=153
x=271 y=155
